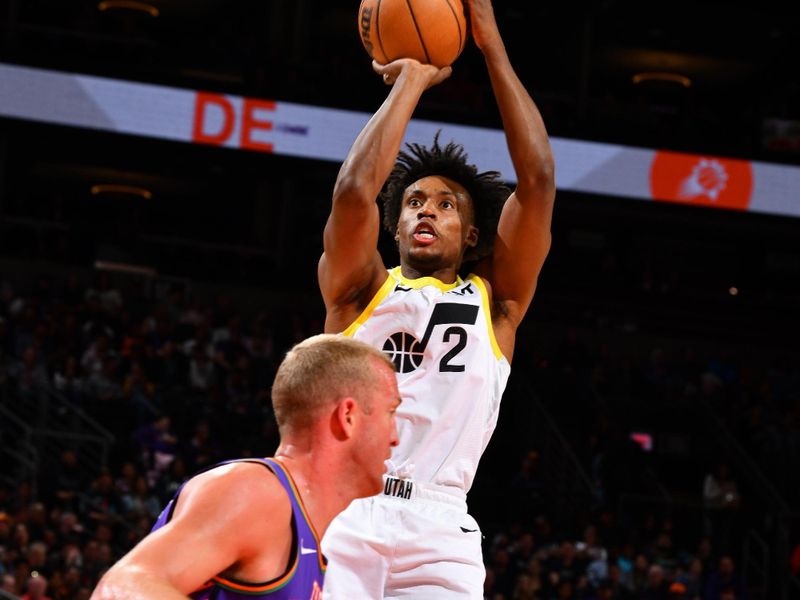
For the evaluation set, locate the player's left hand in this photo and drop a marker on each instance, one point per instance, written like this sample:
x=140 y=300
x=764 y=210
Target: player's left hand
x=483 y=23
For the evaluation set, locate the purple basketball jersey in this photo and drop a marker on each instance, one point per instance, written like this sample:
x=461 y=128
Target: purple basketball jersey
x=304 y=576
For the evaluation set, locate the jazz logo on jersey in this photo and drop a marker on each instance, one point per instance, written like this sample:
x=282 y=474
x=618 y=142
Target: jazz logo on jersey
x=407 y=352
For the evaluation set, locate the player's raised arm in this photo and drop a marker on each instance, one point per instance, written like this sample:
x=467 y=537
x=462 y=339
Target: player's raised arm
x=351 y=265
x=223 y=518
x=523 y=234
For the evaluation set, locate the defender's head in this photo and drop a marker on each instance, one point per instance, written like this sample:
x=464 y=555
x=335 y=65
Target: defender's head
x=343 y=389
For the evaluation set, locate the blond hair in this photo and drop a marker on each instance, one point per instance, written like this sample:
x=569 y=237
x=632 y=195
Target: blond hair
x=318 y=372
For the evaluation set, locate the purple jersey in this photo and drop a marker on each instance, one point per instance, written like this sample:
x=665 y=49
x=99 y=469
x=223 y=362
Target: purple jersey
x=305 y=573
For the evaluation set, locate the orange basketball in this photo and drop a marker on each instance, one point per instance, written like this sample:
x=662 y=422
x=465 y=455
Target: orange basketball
x=431 y=31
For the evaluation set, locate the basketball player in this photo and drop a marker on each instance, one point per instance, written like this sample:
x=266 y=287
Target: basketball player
x=251 y=528
x=451 y=339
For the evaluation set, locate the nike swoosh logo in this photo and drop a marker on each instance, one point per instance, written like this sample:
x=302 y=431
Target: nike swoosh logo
x=465 y=530
x=304 y=550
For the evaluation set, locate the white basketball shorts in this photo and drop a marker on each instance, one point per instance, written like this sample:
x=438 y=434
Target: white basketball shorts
x=409 y=542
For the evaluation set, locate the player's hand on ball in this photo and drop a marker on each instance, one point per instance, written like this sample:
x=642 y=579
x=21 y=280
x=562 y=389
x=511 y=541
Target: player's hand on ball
x=483 y=23
x=392 y=71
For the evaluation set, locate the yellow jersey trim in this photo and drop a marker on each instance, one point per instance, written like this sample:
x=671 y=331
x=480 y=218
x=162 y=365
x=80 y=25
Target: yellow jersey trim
x=385 y=290
x=487 y=311
x=424 y=281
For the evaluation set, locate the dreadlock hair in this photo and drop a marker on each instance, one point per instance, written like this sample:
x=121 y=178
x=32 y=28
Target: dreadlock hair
x=488 y=194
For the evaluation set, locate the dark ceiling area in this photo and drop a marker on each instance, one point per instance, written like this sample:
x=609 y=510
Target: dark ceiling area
x=725 y=72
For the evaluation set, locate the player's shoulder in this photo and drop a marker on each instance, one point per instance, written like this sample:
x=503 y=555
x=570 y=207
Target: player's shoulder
x=237 y=489
x=498 y=308
x=482 y=280
x=487 y=290
x=255 y=475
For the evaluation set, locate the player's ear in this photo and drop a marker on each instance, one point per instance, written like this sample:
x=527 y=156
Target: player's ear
x=345 y=417
x=473 y=234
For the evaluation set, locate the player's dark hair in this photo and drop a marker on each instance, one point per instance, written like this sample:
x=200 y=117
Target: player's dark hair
x=487 y=192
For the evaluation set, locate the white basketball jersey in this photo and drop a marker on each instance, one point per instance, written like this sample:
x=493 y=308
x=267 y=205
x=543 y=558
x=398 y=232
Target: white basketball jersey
x=450 y=372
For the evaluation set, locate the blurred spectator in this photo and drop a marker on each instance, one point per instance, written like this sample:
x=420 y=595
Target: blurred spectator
x=656 y=587
x=169 y=482
x=103 y=384
x=202 y=374
x=101 y=502
x=528 y=486
x=534 y=584
x=663 y=552
x=157 y=446
x=594 y=555
x=232 y=360
x=5 y=526
x=36 y=558
x=565 y=590
x=504 y=573
x=201 y=342
x=489 y=585
x=95 y=356
x=108 y=296
x=8 y=584
x=140 y=392
x=617 y=590
x=36 y=519
x=140 y=502
x=640 y=573
x=126 y=482
x=70 y=530
x=725 y=581
x=63 y=481
x=692 y=579
x=527 y=588
x=677 y=591
x=68 y=380
x=564 y=565
x=36 y=588
x=202 y=451
x=523 y=551
x=30 y=373
x=722 y=502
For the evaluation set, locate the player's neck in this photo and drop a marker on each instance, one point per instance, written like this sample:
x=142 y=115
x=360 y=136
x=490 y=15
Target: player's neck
x=323 y=494
x=445 y=274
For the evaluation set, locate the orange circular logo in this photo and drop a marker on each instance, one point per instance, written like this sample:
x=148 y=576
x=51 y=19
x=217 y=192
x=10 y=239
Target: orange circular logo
x=702 y=181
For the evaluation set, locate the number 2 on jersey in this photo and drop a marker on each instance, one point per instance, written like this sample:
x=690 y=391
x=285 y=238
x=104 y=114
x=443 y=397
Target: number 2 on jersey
x=451 y=313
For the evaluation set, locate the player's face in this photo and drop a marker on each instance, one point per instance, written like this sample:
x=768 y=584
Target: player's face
x=379 y=434
x=436 y=223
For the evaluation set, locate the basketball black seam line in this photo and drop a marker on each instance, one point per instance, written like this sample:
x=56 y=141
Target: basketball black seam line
x=378 y=30
x=419 y=33
x=458 y=26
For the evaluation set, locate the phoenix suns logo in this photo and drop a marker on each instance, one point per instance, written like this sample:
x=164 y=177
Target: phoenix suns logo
x=701 y=181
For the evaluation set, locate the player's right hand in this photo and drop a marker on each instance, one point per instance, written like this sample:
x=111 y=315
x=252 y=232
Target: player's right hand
x=392 y=71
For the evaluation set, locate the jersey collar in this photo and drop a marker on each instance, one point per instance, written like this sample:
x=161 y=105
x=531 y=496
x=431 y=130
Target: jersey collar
x=425 y=281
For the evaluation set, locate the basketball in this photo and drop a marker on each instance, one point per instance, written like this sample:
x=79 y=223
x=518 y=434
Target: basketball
x=430 y=31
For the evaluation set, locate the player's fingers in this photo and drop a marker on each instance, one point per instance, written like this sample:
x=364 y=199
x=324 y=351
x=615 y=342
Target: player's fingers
x=443 y=74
